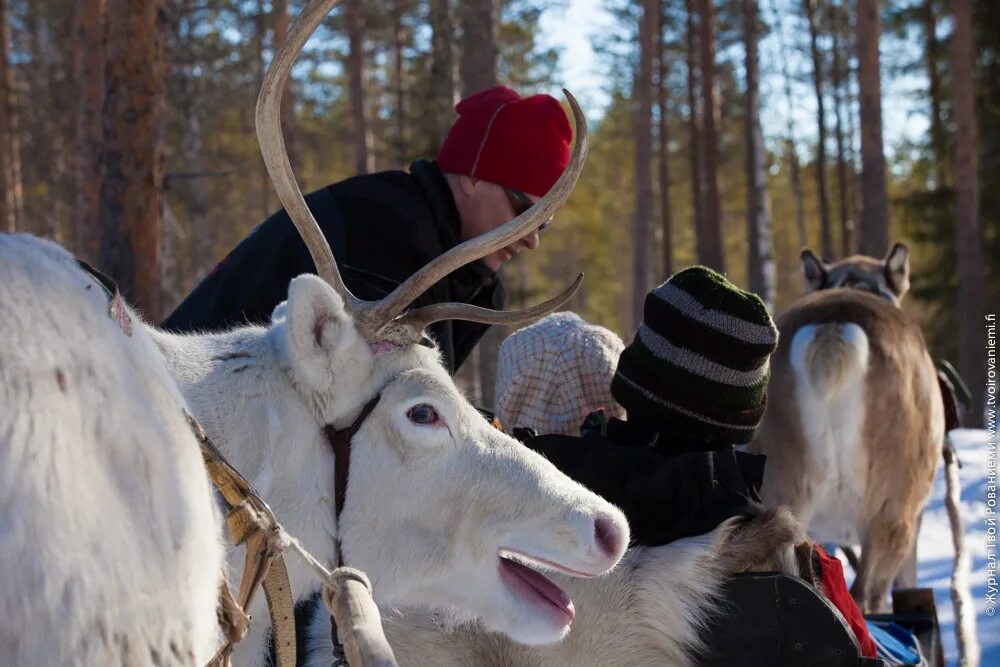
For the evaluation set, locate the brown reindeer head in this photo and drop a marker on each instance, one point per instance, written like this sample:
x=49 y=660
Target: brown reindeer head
x=888 y=277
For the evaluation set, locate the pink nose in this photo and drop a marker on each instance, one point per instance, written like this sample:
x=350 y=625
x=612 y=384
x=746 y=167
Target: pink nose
x=608 y=538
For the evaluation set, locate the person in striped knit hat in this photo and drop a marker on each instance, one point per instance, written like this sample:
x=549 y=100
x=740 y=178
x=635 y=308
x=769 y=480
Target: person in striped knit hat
x=693 y=383
x=695 y=376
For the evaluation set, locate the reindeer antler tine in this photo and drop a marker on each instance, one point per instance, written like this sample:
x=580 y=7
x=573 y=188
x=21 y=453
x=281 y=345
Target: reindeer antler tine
x=272 y=146
x=420 y=318
x=480 y=246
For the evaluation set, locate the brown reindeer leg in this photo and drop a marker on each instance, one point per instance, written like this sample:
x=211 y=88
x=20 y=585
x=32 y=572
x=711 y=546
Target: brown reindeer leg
x=907 y=575
x=883 y=551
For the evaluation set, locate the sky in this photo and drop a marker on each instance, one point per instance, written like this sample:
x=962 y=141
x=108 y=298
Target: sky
x=571 y=29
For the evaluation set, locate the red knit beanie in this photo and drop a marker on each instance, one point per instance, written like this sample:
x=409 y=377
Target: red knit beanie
x=517 y=142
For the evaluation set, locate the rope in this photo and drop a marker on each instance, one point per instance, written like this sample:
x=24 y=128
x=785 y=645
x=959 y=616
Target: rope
x=331 y=579
x=281 y=540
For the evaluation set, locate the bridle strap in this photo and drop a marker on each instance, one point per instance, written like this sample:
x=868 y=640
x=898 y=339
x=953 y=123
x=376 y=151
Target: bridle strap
x=340 y=440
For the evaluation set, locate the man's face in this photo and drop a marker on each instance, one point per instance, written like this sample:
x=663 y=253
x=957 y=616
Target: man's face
x=484 y=207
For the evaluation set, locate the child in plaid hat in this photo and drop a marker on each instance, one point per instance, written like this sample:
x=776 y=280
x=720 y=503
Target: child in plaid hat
x=553 y=373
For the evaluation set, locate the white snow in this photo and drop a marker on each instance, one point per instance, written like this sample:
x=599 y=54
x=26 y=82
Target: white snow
x=934 y=550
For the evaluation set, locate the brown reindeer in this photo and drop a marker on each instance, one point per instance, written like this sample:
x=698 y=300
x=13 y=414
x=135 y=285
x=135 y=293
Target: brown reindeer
x=854 y=424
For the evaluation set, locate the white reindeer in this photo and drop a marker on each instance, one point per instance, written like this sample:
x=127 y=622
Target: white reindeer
x=442 y=511
x=110 y=549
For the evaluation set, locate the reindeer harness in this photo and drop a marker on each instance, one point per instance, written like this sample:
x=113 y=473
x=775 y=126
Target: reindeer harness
x=340 y=441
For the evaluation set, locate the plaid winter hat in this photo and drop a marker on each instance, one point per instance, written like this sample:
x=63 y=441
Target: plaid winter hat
x=552 y=374
x=699 y=362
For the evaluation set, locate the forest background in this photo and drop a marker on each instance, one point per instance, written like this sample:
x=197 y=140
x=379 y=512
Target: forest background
x=727 y=132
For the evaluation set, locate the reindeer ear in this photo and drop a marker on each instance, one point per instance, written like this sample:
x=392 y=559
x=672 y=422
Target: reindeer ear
x=897 y=269
x=317 y=329
x=814 y=270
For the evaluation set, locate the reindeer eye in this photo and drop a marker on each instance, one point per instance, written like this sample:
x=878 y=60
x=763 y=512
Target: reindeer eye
x=423 y=414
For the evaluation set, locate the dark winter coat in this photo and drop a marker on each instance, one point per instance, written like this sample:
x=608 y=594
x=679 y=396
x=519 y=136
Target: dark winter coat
x=664 y=497
x=382 y=228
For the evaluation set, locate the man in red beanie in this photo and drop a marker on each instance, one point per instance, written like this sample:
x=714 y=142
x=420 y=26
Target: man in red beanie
x=502 y=154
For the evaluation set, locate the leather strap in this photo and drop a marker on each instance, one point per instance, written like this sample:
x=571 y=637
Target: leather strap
x=251 y=521
x=340 y=440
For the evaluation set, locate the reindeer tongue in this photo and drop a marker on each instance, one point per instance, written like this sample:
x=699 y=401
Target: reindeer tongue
x=530 y=583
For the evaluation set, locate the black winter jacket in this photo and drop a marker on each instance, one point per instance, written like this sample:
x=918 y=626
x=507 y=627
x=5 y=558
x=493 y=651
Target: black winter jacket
x=382 y=228
x=664 y=497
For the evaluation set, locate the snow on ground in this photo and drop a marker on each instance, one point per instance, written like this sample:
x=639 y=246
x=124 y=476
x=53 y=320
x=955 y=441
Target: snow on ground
x=935 y=554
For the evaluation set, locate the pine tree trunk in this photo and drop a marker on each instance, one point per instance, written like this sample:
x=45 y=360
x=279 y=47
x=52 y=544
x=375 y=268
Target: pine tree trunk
x=694 y=148
x=202 y=251
x=843 y=184
x=853 y=144
x=790 y=152
x=170 y=271
x=826 y=234
x=478 y=46
x=364 y=158
x=42 y=126
x=88 y=68
x=279 y=28
x=442 y=79
x=933 y=55
x=760 y=268
x=874 y=196
x=478 y=71
x=131 y=209
x=666 y=217
x=399 y=75
x=710 y=236
x=266 y=188
x=9 y=149
x=969 y=238
x=643 y=154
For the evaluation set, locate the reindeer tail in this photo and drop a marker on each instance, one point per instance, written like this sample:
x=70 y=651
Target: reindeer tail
x=830 y=354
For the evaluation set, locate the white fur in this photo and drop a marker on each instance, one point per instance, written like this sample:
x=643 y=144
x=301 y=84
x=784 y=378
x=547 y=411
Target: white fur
x=832 y=412
x=648 y=612
x=110 y=550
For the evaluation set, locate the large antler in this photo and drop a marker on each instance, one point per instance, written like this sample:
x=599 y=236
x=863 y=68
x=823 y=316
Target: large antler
x=378 y=319
x=272 y=146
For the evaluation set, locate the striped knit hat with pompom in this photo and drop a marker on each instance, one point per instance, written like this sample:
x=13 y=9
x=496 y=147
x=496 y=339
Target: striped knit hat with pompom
x=699 y=362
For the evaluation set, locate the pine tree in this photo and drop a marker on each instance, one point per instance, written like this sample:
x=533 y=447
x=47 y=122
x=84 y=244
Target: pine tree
x=643 y=151
x=968 y=240
x=826 y=235
x=131 y=211
x=710 y=233
x=874 y=195
x=760 y=257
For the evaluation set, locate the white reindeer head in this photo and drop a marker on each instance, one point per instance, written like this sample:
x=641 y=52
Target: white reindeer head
x=441 y=509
